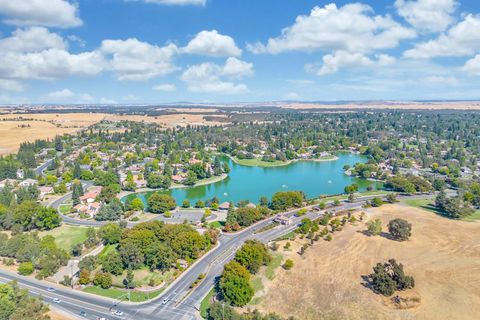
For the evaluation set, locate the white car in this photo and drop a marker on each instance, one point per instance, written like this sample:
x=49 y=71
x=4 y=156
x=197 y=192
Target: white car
x=164 y=301
x=50 y=289
x=118 y=313
x=56 y=300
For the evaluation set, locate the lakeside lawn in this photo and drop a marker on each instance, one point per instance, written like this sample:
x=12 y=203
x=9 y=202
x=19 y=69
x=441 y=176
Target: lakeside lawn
x=429 y=205
x=67 y=236
x=259 y=163
x=358 y=195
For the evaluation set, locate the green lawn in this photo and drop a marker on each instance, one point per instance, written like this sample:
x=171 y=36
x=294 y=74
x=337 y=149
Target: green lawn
x=276 y=262
x=259 y=163
x=107 y=250
x=115 y=293
x=429 y=205
x=65 y=208
x=206 y=303
x=358 y=195
x=67 y=236
x=217 y=224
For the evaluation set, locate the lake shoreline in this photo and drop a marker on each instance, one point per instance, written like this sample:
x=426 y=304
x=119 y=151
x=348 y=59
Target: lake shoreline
x=277 y=163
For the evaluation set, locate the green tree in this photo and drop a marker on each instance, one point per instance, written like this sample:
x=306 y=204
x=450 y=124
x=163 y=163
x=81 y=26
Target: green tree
x=102 y=280
x=112 y=263
x=136 y=205
x=160 y=203
x=400 y=229
x=110 y=233
x=252 y=255
x=186 y=203
x=374 y=227
x=389 y=277
x=235 y=284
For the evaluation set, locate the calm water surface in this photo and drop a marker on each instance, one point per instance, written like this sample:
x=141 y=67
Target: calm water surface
x=251 y=183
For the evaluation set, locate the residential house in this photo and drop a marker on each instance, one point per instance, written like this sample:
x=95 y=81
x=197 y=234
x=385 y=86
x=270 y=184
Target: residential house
x=44 y=190
x=89 y=209
x=28 y=183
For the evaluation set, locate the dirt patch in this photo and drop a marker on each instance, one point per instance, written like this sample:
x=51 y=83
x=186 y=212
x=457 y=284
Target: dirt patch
x=443 y=256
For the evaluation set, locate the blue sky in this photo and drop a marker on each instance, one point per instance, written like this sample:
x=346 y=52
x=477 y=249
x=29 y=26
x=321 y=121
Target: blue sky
x=154 y=51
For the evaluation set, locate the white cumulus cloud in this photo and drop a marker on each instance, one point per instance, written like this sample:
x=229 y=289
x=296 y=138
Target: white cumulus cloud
x=135 y=60
x=352 y=27
x=51 y=13
x=472 y=66
x=213 y=78
x=212 y=43
x=427 y=15
x=462 y=39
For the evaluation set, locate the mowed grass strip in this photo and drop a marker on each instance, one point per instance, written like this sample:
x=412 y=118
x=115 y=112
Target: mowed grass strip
x=67 y=236
x=123 y=295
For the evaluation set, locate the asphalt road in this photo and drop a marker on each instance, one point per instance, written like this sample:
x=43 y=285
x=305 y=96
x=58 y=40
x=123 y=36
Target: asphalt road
x=182 y=302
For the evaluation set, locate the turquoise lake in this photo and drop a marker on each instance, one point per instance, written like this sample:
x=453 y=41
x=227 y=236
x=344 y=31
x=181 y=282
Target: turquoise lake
x=250 y=183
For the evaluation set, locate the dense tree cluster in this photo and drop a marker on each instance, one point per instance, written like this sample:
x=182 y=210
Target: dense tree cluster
x=43 y=253
x=244 y=216
x=17 y=304
x=389 y=277
x=161 y=203
x=408 y=184
x=234 y=284
x=287 y=199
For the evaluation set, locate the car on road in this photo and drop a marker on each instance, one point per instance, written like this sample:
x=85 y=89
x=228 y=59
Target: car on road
x=57 y=300
x=118 y=313
x=165 y=301
x=50 y=289
x=83 y=313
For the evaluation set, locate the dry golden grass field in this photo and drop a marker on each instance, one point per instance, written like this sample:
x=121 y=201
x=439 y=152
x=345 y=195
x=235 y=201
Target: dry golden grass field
x=442 y=255
x=170 y=120
x=40 y=126
x=18 y=128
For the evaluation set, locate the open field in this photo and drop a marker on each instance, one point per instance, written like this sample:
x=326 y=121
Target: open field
x=326 y=283
x=67 y=236
x=169 y=121
x=21 y=127
x=18 y=128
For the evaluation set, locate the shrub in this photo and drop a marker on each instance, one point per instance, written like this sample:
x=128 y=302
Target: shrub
x=288 y=264
x=26 y=268
x=374 y=227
